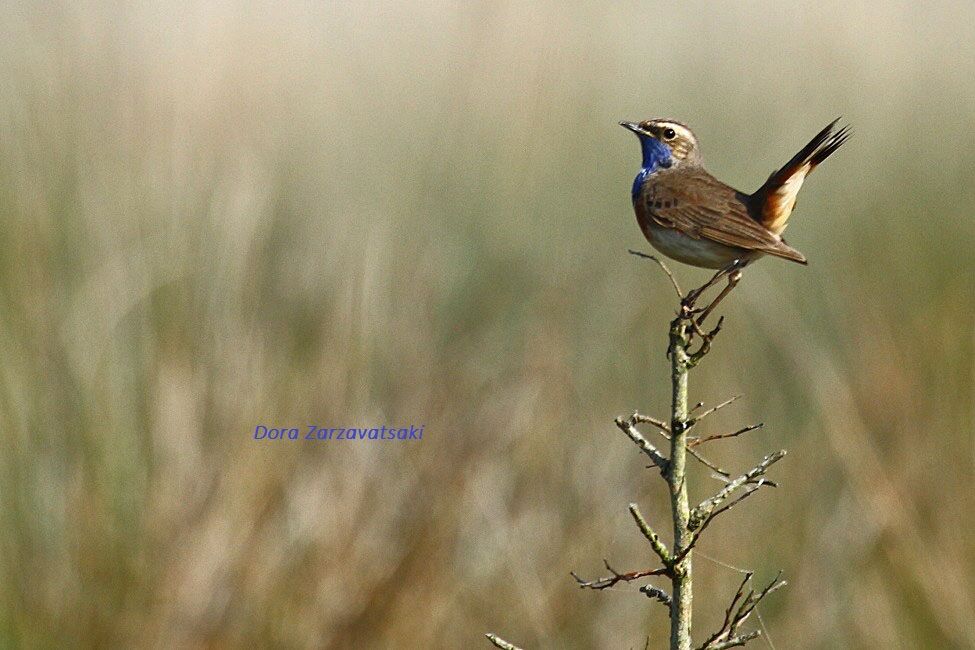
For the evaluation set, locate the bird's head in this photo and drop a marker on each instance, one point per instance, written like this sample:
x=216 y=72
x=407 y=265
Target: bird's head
x=668 y=142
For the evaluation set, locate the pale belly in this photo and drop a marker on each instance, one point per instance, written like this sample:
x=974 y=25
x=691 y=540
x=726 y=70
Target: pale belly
x=696 y=252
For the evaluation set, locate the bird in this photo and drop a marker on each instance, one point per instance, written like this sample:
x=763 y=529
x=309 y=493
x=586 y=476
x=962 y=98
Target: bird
x=690 y=216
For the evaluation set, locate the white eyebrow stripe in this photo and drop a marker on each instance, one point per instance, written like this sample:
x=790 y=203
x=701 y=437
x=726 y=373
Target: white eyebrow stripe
x=682 y=131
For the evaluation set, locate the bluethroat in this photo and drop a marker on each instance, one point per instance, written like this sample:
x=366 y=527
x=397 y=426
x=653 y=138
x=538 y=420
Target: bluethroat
x=692 y=217
x=689 y=215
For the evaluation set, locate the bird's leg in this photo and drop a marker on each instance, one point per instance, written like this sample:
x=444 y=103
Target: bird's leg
x=692 y=296
x=734 y=275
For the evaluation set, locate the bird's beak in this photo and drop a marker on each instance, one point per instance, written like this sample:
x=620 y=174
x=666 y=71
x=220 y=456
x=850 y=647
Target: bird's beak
x=633 y=126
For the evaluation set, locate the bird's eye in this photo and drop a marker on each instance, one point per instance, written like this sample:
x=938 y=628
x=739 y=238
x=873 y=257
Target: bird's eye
x=669 y=134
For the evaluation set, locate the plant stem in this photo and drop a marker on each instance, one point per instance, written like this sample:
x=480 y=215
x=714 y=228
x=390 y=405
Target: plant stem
x=680 y=613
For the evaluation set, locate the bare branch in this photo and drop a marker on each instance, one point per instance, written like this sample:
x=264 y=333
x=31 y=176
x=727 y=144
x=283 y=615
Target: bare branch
x=753 y=599
x=664 y=430
x=606 y=583
x=755 y=481
x=639 y=418
x=737 y=613
x=673 y=280
x=711 y=410
x=501 y=643
x=722 y=436
x=728 y=612
x=629 y=428
x=709 y=464
x=688 y=331
x=737 y=641
x=707 y=521
x=657 y=594
x=652 y=537
x=700 y=513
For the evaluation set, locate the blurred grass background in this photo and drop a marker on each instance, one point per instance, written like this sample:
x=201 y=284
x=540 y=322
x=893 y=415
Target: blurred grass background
x=218 y=215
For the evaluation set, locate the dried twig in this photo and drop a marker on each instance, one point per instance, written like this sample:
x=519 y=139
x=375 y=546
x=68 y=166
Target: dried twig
x=702 y=516
x=616 y=577
x=710 y=517
x=629 y=428
x=660 y=263
x=664 y=430
x=711 y=410
x=737 y=641
x=657 y=594
x=639 y=418
x=741 y=607
x=701 y=512
x=652 y=537
x=723 y=474
x=722 y=436
x=501 y=643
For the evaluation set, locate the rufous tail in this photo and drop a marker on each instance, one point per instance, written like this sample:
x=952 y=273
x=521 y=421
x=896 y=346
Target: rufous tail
x=775 y=200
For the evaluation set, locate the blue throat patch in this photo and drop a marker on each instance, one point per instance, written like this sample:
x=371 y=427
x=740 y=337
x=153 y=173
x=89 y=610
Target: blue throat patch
x=656 y=156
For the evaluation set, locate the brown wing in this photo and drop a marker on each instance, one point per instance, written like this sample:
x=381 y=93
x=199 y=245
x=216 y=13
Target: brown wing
x=699 y=205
